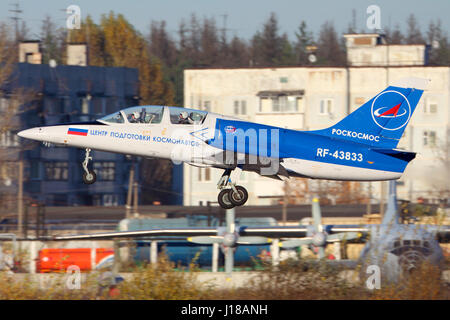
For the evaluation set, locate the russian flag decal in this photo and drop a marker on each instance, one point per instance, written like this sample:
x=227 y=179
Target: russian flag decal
x=77 y=132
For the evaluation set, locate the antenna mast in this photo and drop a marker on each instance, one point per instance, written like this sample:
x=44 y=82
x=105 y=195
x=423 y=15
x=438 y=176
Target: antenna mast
x=16 y=11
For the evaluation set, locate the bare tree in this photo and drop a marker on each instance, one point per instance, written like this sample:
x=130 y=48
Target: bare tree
x=330 y=49
x=413 y=34
x=394 y=36
x=440 y=178
x=13 y=101
x=328 y=191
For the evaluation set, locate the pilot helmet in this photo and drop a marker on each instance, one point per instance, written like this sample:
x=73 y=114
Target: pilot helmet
x=136 y=114
x=184 y=114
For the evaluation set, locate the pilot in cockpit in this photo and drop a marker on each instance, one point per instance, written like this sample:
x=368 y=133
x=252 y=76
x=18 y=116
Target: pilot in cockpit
x=134 y=117
x=184 y=118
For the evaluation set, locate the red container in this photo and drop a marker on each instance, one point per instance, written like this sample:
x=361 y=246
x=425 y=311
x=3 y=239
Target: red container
x=59 y=259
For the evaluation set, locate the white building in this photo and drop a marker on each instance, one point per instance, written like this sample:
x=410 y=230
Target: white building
x=307 y=98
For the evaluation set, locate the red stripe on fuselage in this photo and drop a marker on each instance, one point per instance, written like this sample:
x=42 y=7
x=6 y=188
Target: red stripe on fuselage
x=77 y=133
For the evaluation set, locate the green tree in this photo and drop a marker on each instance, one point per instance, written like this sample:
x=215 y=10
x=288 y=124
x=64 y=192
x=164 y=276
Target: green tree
x=127 y=48
x=93 y=35
x=287 y=54
x=238 y=53
x=304 y=39
x=267 y=46
x=330 y=50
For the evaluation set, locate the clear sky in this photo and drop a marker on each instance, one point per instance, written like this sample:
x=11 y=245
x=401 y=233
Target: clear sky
x=244 y=17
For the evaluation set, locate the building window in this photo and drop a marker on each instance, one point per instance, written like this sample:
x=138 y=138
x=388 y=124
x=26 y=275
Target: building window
x=430 y=107
x=112 y=105
x=85 y=105
x=243 y=107
x=97 y=105
x=9 y=139
x=240 y=107
x=276 y=103
x=207 y=105
x=326 y=106
x=110 y=200
x=35 y=172
x=4 y=104
x=429 y=138
x=97 y=200
x=105 y=170
x=54 y=105
x=6 y=173
x=280 y=101
x=57 y=171
x=204 y=174
x=280 y=104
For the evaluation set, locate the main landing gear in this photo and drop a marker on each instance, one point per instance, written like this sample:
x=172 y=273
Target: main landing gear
x=89 y=177
x=235 y=196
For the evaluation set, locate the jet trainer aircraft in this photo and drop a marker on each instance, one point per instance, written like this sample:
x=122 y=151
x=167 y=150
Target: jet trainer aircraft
x=361 y=147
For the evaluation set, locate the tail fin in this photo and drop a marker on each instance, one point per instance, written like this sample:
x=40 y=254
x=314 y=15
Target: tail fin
x=381 y=121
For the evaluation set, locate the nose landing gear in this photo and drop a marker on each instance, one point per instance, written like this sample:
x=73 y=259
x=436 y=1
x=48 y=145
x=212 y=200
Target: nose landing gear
x=89 y=177
x=235 y=196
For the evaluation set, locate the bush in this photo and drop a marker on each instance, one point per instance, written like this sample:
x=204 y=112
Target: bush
x=290 y=280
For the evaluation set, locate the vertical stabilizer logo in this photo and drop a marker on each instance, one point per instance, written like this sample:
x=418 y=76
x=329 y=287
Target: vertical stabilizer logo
x=389 y=110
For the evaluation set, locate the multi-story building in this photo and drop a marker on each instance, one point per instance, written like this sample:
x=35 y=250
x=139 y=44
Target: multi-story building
x=66 y=93
x=313 y=97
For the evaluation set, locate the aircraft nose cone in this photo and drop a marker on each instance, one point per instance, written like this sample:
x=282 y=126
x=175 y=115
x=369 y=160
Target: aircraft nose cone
x=319 y=239
x=229 y=240
x=29 y=133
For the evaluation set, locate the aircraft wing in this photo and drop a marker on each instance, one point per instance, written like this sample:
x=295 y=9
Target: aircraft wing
x=356 y=233
x=364 y=230
x=225 y=159
x=249 y=143
x=138 y=234
x=270 y=232
x=274 y=232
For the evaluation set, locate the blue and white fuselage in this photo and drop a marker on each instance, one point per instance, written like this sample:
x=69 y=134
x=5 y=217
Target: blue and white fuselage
x=361 y=147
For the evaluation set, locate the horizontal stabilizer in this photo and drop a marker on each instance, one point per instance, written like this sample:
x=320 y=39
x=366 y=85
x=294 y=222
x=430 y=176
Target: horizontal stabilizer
x=402 y=155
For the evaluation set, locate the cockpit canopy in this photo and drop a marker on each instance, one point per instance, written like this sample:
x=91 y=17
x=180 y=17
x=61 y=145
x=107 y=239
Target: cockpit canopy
x=154 y=115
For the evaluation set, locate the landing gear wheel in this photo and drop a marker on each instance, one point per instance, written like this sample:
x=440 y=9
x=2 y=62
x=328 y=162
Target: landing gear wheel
x=224 y=200
x=238 y=198
x=89 y=178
